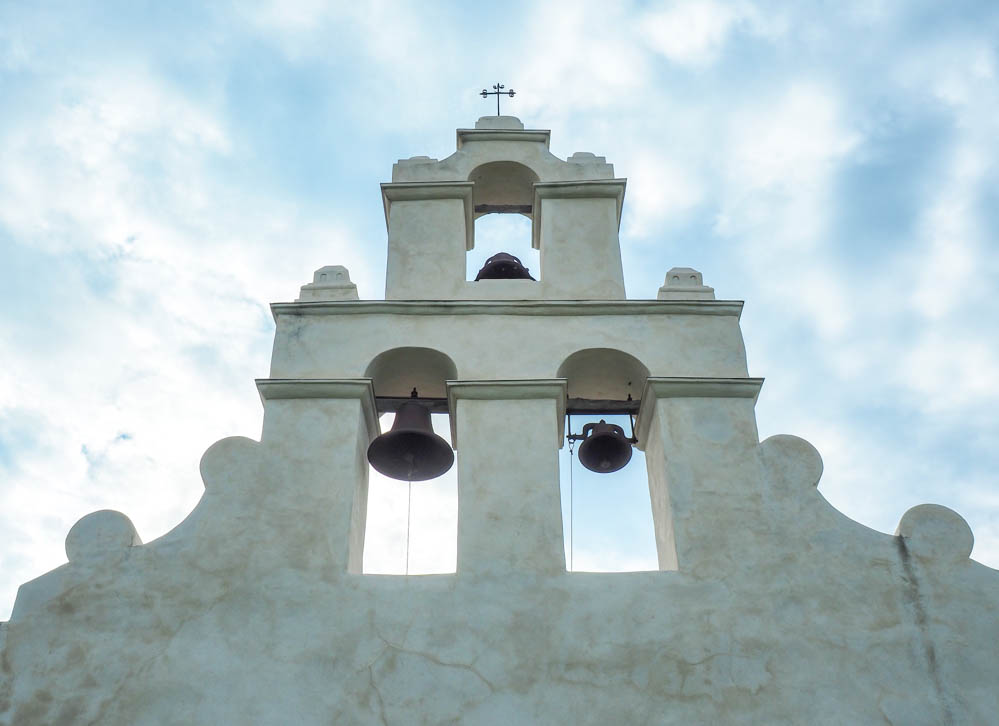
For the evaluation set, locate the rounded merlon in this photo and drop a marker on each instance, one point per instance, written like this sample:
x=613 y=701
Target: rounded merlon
x=100 y=534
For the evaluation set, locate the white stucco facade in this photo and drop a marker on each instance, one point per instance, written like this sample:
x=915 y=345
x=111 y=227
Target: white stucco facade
x=769 y=606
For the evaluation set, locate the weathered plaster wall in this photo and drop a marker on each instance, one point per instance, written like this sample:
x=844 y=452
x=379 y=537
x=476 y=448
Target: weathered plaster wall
x=246 y=613
x=770 y=607
x=339 y=340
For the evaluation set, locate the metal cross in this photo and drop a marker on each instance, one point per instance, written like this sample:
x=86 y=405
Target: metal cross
x=497 y=91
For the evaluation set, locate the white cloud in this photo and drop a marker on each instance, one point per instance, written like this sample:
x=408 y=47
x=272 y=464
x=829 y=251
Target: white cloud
x=391 y=42
x=577 y=56
x=151 y=269
x=74 y=178
x=141 y=338
x=948 y=263
x=776 y=173
x=693 y=32
x=781 y=155
x=659 y=190
x=952 y=372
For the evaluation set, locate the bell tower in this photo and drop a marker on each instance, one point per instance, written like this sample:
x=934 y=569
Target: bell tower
x=768 y=605
x=509 y=354
x=501 y=168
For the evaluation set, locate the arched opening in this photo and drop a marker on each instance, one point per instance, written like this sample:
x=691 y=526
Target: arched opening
x=509 y=233
x=428 y=512
x=603 y=374
x=608 y=525
x=502 y=198
x=398 y=371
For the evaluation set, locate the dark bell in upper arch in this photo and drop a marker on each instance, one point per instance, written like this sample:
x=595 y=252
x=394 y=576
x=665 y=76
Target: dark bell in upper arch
x=503 y=266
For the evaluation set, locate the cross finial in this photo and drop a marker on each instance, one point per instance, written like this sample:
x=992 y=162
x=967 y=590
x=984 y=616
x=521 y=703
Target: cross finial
x=497 y=91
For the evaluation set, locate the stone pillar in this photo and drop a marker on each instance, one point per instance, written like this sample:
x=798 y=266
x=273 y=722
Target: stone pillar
x=576 y=228
x=699 y=436
x=316 y=433
x=430 y=229
x=508 y=434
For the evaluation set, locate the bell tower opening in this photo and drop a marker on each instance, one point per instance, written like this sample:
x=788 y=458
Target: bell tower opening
x=427 y=512
x=607 y=514
x=419 y=519
x=502 y=204
x=499 y=234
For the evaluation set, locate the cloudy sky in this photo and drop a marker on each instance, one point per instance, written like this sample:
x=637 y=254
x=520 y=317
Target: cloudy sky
x=168 y=169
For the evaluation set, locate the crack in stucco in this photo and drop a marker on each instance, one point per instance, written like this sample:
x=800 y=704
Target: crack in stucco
x=433 y=659
x=687 y=667
x=378 y=693
x=388 y=645
x=147 y=663
x=881 y=710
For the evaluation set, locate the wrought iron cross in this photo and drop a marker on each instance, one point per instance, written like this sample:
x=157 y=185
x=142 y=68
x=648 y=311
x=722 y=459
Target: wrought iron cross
x=497 y=91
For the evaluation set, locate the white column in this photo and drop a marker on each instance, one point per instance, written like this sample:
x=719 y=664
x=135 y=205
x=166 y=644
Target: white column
x=316 y=434
x=430 y=229
x=699 y=436
x=507 y=434
x=576 y=228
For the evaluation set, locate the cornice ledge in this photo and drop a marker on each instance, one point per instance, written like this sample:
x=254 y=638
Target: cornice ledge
x=510 y=307
x=272 y=389
x=465 y=136
x=410 y=190
x=695 y=387
x=422 y=191
x=508 y=390
x=579 y=189
x=689 y=387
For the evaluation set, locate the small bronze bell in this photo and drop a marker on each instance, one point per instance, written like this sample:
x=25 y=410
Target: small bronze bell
x=411 y=450
x=503 y=266
x=605 y=448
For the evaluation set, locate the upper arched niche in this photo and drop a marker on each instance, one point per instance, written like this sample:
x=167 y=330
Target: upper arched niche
x=396 y=372
x=504 y=187
x=603 y=373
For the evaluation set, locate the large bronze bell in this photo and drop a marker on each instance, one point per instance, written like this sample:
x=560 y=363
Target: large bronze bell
x=605 y=448
x=411 y=451
x=503 y=266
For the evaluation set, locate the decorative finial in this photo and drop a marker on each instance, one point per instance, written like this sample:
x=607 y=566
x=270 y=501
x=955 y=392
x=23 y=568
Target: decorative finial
x=497 y=91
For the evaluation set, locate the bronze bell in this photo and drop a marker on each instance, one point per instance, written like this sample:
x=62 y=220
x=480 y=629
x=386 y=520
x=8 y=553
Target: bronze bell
x=503 y=266
x=411 y=451
x=605 y=448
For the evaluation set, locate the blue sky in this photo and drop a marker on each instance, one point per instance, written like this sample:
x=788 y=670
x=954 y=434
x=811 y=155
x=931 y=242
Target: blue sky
x=168 y=169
